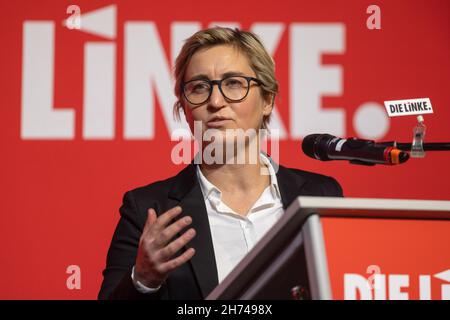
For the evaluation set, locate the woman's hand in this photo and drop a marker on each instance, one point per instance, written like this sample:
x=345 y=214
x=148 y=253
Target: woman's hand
x=155 y=258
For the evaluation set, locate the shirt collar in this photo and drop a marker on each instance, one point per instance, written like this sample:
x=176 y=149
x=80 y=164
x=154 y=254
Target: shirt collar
x=209 y=190
x=273 y=177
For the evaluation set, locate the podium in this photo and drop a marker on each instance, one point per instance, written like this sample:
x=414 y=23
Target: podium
x=348 y=248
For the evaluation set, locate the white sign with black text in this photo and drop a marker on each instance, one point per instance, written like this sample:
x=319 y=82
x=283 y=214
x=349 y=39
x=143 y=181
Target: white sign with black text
x=408 y=107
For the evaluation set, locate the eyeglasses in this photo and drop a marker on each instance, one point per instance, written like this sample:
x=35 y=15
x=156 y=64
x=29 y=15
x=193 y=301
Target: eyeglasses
x=234 y=89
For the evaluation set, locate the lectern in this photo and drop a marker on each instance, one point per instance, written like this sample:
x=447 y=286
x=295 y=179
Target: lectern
x=348 y=248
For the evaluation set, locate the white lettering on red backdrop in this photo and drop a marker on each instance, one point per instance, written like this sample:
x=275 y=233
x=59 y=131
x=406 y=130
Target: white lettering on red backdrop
x=148 y=71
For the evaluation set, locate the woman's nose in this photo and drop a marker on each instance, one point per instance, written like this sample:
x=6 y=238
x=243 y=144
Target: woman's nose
x=216 y=99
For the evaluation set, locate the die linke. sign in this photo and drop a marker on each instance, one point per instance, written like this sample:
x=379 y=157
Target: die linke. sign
x=408 y=107
x=383 y=259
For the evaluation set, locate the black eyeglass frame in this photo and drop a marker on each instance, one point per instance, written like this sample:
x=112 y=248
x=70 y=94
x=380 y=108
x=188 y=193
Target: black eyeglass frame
x=219 y=84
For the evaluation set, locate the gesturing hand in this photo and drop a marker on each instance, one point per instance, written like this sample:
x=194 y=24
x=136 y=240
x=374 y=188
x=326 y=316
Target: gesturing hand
x=155 y=258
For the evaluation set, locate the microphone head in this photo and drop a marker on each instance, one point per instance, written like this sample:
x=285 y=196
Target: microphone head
x=397 y=156
x=315 y=146
x=403 y=157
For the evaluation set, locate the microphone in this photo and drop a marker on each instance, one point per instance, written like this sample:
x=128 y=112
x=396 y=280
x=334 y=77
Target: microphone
x=326 y=147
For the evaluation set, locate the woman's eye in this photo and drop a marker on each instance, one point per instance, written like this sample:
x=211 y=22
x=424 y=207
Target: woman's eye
x=200 y=87
x=234 y=83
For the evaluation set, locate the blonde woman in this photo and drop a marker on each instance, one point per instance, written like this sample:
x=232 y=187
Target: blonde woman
x=179 y=238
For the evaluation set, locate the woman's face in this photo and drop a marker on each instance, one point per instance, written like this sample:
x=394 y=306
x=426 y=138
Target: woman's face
x=214 y=64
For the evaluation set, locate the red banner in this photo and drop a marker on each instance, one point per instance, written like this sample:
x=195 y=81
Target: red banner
x=388 y=259
x=86 y=109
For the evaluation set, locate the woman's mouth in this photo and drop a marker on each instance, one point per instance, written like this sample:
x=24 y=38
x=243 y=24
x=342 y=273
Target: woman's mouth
x=217 y=122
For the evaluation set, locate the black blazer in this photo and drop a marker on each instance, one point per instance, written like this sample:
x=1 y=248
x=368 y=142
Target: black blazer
x=198 y=277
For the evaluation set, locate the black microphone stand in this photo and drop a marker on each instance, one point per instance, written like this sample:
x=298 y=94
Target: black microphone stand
x=427 y=146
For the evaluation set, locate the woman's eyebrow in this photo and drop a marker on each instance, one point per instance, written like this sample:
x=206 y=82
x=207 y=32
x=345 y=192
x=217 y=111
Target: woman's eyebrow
x=199 y=77
x=224 y=75
x=232 y=74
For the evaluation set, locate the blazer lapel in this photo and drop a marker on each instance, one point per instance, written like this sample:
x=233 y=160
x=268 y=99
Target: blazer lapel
x=187 y=190
x=288 y=183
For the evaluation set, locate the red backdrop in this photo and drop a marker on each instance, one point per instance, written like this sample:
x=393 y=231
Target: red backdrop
x=62 y=185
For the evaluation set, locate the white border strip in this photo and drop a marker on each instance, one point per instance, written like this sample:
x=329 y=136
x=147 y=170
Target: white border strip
x=316 y=259
x=373 y=204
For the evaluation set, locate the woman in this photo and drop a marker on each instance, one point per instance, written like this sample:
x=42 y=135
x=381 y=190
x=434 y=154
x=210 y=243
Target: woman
x=178 y=238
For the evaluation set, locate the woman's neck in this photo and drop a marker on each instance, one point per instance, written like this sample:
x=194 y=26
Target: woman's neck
x=233 y=177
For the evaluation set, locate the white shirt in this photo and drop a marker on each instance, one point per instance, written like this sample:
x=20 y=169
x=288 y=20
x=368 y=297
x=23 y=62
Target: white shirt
x=234 y=235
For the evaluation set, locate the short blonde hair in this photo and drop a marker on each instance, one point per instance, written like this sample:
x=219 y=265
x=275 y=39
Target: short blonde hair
x=260 y=60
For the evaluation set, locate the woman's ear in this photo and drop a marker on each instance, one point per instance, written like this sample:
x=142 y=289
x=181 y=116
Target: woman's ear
x=188 y=116
x=268 y=104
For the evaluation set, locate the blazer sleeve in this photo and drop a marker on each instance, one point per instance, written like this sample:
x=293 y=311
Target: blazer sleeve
x=117 y=283
x=332 y=188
